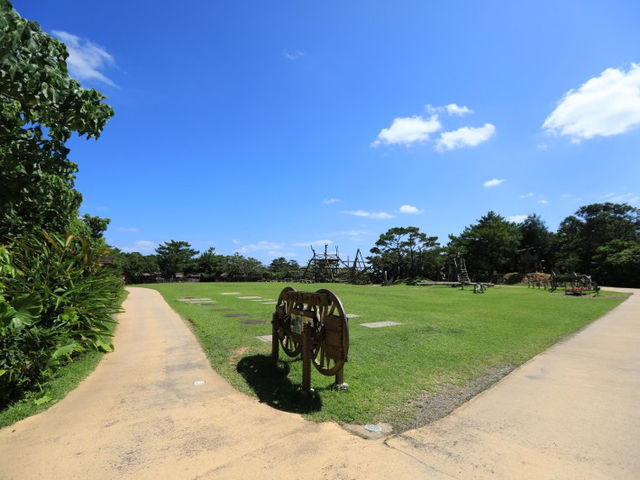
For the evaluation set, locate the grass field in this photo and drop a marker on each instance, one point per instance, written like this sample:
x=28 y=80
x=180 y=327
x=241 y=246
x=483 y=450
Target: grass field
x=449 y=339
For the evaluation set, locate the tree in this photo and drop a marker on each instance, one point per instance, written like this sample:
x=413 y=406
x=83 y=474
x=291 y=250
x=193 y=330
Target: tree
x=405 y=252
x=135 y=265
x=594 y=226
x=40 y=107
x=536 y=251
x=96 y=225
x=281 y=268
x=617 y=263
x=210 y=265
x=174 y=256
x=490 y=246
x=238 y=268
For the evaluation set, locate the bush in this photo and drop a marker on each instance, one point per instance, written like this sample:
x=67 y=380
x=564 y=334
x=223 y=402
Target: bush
x=56 y=300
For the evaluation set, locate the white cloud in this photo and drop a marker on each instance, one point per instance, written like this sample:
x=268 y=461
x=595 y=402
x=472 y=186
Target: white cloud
x=494 y=182
x=293 y=54
x=465 y=137
x=605 y=105
x=409 y=209
x=129 y=229
x=85 y=59
x=544 y=202
x=363 y=213
x=517 y=218
x=330 y=201
x=527 y=195
x=141 y=246
x=260 y=246
x=408 y=130
x=313 y=243
x=451 y=109
x=622 y=198
x=566 y=195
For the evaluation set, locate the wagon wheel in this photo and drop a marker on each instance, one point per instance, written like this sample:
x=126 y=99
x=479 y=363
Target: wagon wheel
x=330 y=358
x=289 y=344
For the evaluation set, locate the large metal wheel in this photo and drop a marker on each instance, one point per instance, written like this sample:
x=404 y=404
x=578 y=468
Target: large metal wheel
x=330 y=336
x=291 y=345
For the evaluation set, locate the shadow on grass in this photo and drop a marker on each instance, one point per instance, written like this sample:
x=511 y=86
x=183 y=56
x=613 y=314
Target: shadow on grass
x=273 y=386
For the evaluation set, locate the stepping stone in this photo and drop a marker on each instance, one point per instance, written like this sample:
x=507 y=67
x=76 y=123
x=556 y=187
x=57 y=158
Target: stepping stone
x=195 y=300
x=264 y=338
x=252 y=322
x=248 y=298
x=380 y=324
x=234 y=315
x=269 y=303
x=229 y=293
x=222 y=309
x=352 y=315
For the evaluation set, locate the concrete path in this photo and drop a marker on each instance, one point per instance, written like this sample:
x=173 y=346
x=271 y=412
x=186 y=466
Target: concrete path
x=569 y=413
x=139 y=415
x=572 y=412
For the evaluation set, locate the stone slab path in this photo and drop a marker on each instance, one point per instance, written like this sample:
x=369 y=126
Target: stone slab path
x=155 y=409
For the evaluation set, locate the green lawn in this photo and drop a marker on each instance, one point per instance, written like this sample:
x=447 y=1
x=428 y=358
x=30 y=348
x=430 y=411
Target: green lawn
x=448 y=338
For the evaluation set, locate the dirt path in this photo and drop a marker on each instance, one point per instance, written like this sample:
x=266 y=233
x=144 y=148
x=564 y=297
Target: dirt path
x=569 y=413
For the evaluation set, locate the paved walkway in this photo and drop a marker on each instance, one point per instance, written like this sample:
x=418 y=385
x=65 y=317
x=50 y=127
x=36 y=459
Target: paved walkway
x=569 y=413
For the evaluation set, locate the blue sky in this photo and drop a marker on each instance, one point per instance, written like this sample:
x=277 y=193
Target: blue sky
x=262 y=127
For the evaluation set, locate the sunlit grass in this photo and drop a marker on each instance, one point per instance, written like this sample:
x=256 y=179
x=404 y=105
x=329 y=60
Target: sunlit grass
x=448 y=337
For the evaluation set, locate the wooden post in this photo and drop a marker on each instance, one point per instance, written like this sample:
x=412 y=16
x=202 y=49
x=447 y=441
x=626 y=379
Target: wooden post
x=306 y=358
x=274 y=340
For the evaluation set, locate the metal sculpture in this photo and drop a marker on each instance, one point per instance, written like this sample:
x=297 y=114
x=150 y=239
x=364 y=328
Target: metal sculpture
x=314 y=324
x=574 y=284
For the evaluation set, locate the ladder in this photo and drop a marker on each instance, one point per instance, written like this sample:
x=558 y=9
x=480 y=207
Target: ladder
x=461 y=270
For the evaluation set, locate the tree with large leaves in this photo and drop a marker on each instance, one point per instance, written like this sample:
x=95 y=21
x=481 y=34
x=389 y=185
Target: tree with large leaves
x=41 y=106
x=55 y=298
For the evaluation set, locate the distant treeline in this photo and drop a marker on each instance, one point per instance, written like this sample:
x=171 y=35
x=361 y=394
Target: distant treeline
x=602 y=240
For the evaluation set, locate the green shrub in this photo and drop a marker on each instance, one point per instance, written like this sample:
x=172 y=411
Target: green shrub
x=56 y=300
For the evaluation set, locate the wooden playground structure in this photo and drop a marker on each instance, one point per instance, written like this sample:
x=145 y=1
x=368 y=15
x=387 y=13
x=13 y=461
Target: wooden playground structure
x=326 y=267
